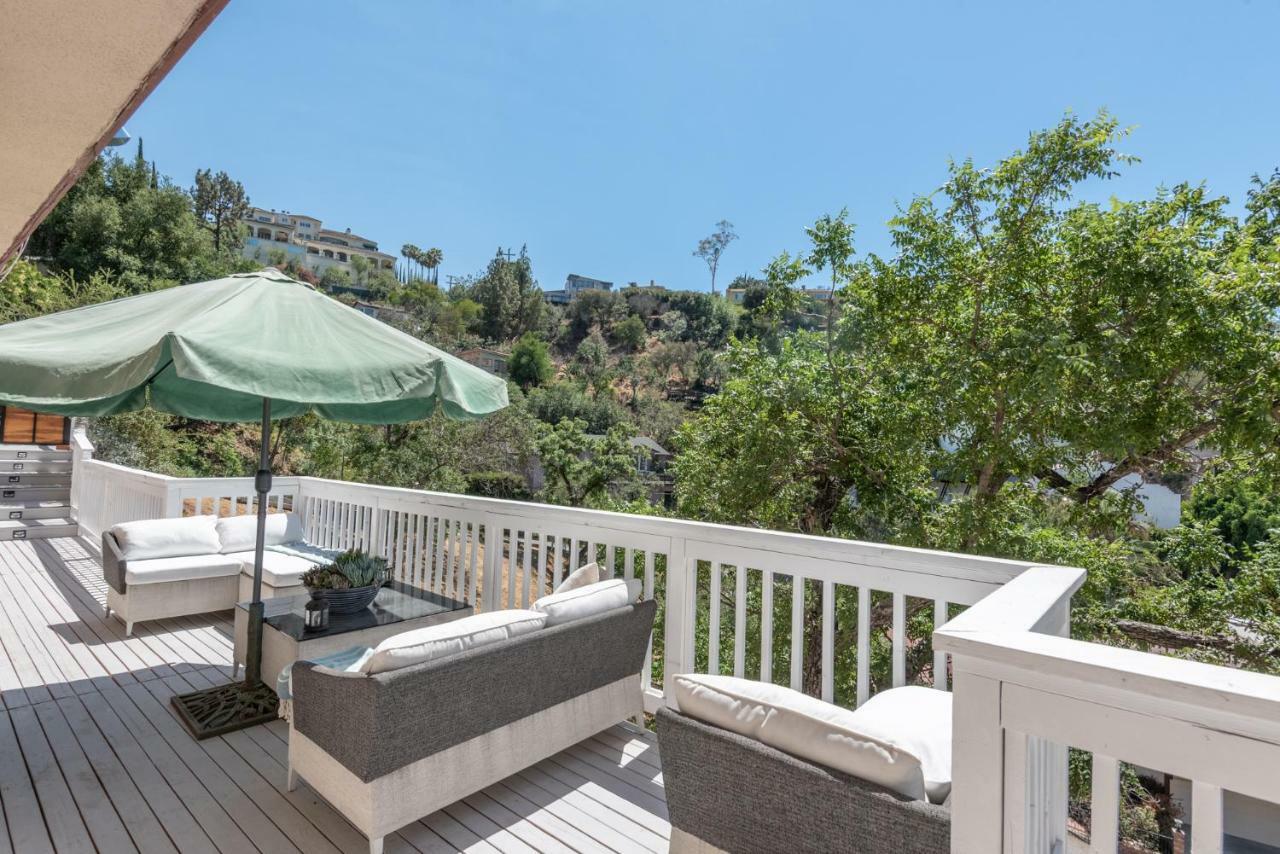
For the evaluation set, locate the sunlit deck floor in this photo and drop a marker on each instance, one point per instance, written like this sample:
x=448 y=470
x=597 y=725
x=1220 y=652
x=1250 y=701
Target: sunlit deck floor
x=92 y=758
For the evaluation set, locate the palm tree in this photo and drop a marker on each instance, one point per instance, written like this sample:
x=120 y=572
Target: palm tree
x=433 y=258
x=411 y=253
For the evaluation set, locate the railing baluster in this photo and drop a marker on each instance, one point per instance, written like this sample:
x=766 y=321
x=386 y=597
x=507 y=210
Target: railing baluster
x=646 y=678
x=471 y=562
x=939 y=657
x=828 y=639
x=739 y=620
x=766 y=626
x=864 y=644
x=526 y=571
x=1104 y=813
x=899 y=640
x=713 y=622
x=797 y=630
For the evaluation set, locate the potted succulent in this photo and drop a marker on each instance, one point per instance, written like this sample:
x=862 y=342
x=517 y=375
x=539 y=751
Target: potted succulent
x=348 y=584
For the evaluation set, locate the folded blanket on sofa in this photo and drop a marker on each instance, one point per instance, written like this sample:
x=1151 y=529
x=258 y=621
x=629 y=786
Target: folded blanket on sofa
x=345 y=661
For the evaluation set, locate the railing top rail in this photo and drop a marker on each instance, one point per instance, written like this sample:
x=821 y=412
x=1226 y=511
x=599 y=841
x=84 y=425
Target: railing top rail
x=995 y=571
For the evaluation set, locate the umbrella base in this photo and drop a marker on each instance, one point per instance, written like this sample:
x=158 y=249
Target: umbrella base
x=226 y=708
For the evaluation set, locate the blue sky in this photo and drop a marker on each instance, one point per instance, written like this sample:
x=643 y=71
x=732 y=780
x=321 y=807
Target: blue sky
x=610 y=137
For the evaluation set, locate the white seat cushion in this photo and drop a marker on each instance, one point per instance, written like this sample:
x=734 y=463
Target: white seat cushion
x=882 y=749
x=279 y=569
x=432 y=642
x=562 y=607
x=240 y=533
x=187 y=568
x=156 y=538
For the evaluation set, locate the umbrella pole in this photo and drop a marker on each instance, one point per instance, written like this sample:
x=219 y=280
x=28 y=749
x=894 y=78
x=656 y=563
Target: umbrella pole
x=262 y=485
x=226 y=708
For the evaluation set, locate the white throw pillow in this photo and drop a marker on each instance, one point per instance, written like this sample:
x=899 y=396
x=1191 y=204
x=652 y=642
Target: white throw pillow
x=154 y=538
x=432 y=642
x=917 y=720
x=580 y=577
x=240 y=533
x=562 y=607
x=811 y=729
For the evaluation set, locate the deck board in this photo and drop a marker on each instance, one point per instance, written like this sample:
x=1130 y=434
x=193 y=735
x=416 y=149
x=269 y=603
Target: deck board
x=93 y=759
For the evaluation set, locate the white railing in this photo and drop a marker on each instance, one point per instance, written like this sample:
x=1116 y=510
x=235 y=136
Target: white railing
x=1024 y=693
x=729 y=601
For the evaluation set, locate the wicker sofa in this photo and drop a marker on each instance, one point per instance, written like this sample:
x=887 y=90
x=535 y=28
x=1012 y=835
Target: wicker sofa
x=727 y=792
x=389 y=748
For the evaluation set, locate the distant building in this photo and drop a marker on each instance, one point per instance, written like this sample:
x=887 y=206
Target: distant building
x=493 y=361
x=381 y=312
x=304 y=240
x=573 y=285
x=737 y=295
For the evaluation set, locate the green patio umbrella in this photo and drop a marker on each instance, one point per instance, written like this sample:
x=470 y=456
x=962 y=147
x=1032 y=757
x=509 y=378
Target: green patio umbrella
x=235 y=349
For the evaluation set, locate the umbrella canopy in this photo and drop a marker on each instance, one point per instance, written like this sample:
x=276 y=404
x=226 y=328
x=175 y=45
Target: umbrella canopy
x=214 y=350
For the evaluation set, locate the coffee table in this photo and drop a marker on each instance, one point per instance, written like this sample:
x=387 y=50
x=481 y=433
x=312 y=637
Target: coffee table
x=285 y=638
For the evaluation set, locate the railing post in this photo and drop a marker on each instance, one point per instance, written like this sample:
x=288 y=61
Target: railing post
x=682 y=591
x=171 y=503
x=977 y=764
x=81 y=450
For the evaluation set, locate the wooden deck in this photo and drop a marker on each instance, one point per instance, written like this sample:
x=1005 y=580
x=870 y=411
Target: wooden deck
x=92 y=759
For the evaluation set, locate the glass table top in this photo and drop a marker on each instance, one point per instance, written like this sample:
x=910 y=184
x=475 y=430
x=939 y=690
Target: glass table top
x=395 y=603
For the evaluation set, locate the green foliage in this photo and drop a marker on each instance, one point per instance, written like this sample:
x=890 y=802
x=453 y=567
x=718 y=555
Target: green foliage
x=351 y=569
x=630 y=333
x=1043 y=337
x=580 y=469
x=498 y=484
x=220 y=204
x=566 y=400
x=530 y=362
x=592 y=309
x=1243 y=507
x=27 y=292
x=117 y=221
x=511 y=301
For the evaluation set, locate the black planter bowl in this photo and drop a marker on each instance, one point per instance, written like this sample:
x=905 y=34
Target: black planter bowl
x=349 y=601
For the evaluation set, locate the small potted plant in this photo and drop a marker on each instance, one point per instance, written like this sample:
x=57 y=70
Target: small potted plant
x=348 y=584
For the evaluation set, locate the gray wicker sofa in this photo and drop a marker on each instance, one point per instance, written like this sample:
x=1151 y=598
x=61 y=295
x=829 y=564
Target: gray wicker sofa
x=727 y=792
x=390 y=748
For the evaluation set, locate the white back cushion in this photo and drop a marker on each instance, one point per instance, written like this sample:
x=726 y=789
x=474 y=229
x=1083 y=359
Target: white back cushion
x=879 y=752
x=153 y=538
x=432 y=642
x=563 y=606
x=917 y=720
x=580 y=577
x=240 y=533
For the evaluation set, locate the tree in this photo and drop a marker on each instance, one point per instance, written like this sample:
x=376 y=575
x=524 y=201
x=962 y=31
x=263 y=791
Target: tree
x=580 y=469
x=360 y=269
x=530 y=362
x=220 y=204
x=509 y=295
x=711 y=247
x=631 y=333
x=1070 y=342
x=591 y=361
x=592 y=309
x=432 y=259
x=412 y=255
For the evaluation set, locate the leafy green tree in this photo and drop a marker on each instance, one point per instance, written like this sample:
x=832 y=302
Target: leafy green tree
x=1241 y=505
x=579 y=468
x=432 y=259
x=335 y=277
x=360 y=271
x=593 y=309
x=117 y=220
x=1071 y=342
x=562 y=401
x=709 y=321
x=220 y=203
x=509 y=295
x=591 y=362
x=711 y=247
x=26 y=292
x=530 y=362
x=631 y=333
